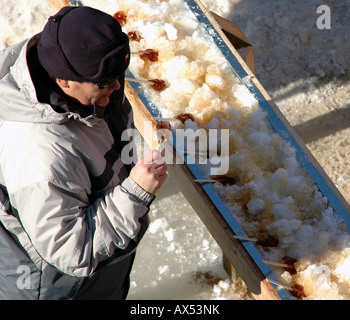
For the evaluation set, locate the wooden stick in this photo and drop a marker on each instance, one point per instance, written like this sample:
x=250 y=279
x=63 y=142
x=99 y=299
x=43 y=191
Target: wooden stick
x=278 y=264
x=137 y=80
x=159 y=145
x=137 y=52
x=196 y=152
x=280 y=284
x=165 y=119
x=142 y=52
x=245 y=238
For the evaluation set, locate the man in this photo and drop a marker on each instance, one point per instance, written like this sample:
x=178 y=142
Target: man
x=71 y=212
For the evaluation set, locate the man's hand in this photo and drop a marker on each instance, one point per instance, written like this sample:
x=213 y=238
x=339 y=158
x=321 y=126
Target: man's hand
x=150 y=173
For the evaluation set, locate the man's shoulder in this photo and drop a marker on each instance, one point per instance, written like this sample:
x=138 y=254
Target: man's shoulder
x=9 y=55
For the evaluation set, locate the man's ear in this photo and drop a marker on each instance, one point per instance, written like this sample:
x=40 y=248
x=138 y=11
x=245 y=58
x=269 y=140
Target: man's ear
x=62 y=83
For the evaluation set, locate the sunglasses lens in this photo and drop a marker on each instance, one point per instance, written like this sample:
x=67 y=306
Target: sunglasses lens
x=105 y=84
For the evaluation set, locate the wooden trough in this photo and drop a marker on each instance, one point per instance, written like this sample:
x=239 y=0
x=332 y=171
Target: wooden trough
x=242 y=255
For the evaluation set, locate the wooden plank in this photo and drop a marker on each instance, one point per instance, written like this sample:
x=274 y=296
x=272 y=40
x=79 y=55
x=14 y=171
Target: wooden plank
x=141 y=116
x=234 y=34
x=237 y=38
x=57 y=5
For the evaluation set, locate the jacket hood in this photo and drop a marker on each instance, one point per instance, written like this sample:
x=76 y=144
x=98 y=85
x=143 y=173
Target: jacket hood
x=18 y=99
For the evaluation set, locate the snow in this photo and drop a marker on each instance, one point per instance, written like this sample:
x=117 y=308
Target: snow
x=305 y=71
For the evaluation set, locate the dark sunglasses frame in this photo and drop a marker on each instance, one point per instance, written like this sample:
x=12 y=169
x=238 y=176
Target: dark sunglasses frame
x=103 y=85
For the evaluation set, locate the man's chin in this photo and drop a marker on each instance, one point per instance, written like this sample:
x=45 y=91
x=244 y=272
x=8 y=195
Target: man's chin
x=103 y=102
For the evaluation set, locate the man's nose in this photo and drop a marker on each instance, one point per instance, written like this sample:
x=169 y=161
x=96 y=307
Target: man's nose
x=116 y=85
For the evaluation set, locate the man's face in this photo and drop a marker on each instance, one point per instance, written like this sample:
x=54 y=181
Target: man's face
x=88 y=93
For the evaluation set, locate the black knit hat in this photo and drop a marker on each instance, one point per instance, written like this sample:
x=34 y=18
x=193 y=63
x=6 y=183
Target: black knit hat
x=83 y=44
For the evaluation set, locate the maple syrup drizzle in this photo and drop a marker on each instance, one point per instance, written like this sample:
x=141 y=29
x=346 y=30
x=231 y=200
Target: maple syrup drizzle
x=158 y=84
x=149 y=54
x=134 y=36
x=185 y=116
x=121 y=17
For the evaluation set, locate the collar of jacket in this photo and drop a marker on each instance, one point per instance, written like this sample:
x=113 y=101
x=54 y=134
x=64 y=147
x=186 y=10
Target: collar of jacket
x=20 y=86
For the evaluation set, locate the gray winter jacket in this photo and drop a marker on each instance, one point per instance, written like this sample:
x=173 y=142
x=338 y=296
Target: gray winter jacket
x=70 y=216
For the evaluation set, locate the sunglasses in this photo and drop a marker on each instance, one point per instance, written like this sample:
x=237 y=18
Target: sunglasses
x=103 y=85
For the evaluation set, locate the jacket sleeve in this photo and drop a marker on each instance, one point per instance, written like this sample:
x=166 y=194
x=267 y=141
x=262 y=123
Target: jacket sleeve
x=75 y=237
